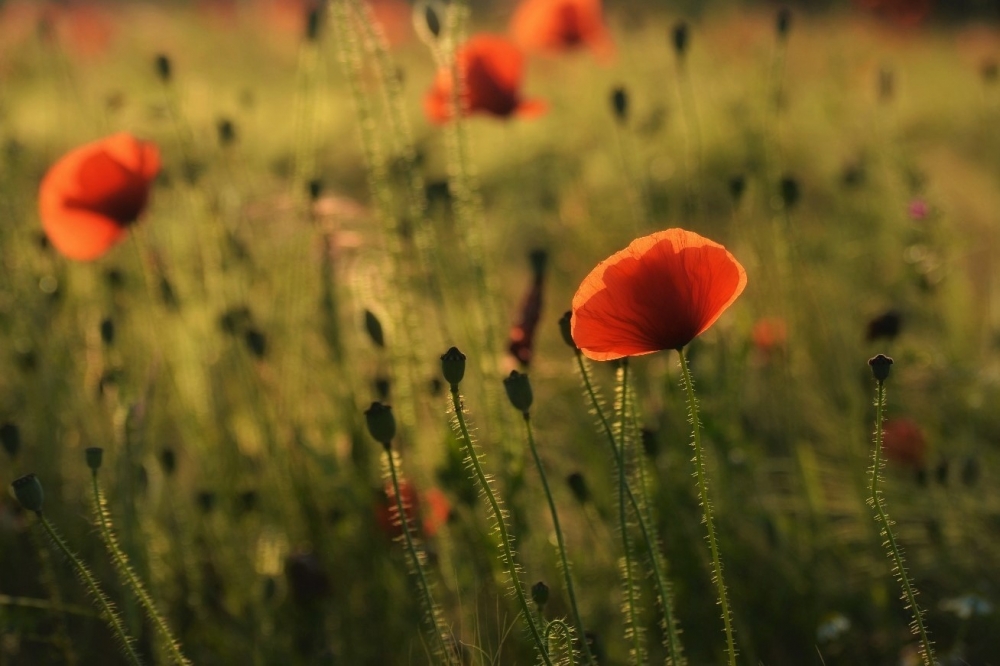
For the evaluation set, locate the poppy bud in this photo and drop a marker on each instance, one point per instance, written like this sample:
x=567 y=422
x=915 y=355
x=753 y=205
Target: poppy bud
x=247 y=501
x=94 y=456
x=163 y=68
x=432 y=20
x=566 y=329
x=227 y=131
x=650 y=443
x=374 y=328
x=540 y=594
x=539 y=259
x=519 y=391
x=578 y=485
x=312 y=24
x=256 y=342
x=168 y=461
x=206 y=501
x=315 y=188
x=789 y=191
x=114 y=278
x=880 y=367
x=453 y=366
x=10 y=439
x=619 y=103
x=107 y=331
x=737 y=185
x=784 y=22
x=680 y=36
x=886 y=325
x=382 y=387
x=28 y=491
x=381 y=423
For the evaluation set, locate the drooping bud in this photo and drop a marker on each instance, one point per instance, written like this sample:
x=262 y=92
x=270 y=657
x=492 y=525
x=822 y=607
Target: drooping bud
x=315 y=188
x=28 y=491
x=94 y=456
x=681 y=38
x=737 y=186
x=313 y=23
x=540 y=594
x=453 y=366
x=619 y=103
x=163 y=67
x=432 y=21
x=578 y=485
x=381 y=423
x=107 y=331
x=256 y=342
x=227 y=131
x=518 y=389
x=789 y=191
x=566 y=329
x=10 y=439
x=880 y=366
x=784 y=22
x=168 y=461
x=374 y=329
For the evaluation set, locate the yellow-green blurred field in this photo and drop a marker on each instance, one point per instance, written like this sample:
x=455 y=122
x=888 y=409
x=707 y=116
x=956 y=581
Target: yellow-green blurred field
x=220 y=354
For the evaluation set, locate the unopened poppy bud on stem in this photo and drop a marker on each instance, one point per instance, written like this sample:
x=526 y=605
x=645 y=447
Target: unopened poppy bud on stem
x=28 y=491
x=163 y=68
x=453 y=366
x=94 y=456
x=10 y=439
x=519 y=391
x=680 y=37
x=381 y=423
x=540 y=594
x=619 y=103
x=784 y=22
x=566 y=328
x=880 y=366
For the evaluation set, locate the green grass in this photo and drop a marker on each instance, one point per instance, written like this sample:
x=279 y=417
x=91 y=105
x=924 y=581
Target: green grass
x=289 y=565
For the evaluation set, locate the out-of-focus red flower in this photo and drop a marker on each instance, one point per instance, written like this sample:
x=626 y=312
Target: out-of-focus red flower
x=905 y=13
x=659 y=293
x=220 y=13
x=92 y=194
x=769 y=336
x=903 y=443
x=85 y=28
x=434 y=514
x=491 y=70
x=395 y=17
x=521 y=342
x=286 y=16
x=561 y=25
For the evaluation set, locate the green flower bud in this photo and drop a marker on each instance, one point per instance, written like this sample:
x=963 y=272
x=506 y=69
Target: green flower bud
x=880 y=366
x=453 y=366
x=381 y=423
x=28 y=491
x=519 y=391
x=95 y=456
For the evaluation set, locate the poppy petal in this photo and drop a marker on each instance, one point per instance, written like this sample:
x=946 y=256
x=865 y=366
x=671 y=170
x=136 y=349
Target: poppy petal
x=79 y=234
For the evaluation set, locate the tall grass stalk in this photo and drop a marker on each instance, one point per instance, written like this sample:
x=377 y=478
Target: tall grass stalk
x=893 y=549
x=498 y=517
x=706 y=506
x=129 y=577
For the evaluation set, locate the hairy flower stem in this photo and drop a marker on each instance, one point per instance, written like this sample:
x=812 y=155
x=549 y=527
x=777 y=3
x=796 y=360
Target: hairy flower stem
x=877 y=502
x=564 y=561
x=662 y=587
x=418 y=566
x=558 y=627
x=706 y=506
x=505 y=540
x=125 y=641
x=127 y=573
x=630 y=592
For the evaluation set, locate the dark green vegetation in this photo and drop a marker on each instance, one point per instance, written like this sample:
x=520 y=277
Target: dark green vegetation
x=224 y=354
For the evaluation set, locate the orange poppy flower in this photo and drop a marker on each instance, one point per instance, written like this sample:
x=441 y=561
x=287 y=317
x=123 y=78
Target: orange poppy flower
x=561 y=25
x=659 y=293
x=437 y=511
x=92 y=194
x=903 y=443
x=491 y=70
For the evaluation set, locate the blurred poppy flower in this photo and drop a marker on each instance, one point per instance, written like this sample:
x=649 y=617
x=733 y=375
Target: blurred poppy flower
x=561 y=25
x=659 y=293
x=92 y=194
x=85 y=28
x=490 y=69
x=769 y=336
x=903 y=443
x=901 y=12
x=521 y=342
x=434 y=509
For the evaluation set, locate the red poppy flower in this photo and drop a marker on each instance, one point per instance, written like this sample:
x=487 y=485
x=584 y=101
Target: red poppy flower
x=437 y=511
x=90 y=196
x=904 y=13
x=903 y=443
x=561 y=25
x=490 y=69
x=659 y=293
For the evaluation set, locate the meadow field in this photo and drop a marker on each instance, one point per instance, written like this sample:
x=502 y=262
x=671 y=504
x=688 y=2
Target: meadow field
x=312 y=223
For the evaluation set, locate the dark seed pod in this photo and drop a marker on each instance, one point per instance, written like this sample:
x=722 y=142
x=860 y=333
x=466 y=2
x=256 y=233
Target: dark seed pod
x=94 y=456
x=518 y=388
x=381 y=423
x=880 y=366
x=453 y=366
x=28 y=491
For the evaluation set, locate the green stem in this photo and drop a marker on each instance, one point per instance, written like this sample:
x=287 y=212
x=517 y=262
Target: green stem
x=662 y=587
x=706 y=505
x=567 y=575
x=505 y=541
x=895 y=552
x=125 y=570
x=418 y=563
x=107 y=608
x=630 y=600
x=559 y=626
